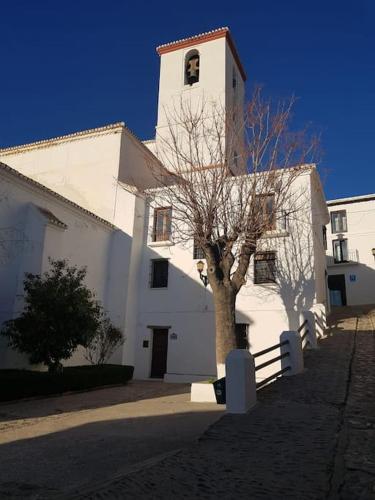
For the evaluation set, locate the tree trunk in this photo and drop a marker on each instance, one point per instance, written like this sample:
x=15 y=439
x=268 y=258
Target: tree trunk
x=225 y=321
x=55 y=367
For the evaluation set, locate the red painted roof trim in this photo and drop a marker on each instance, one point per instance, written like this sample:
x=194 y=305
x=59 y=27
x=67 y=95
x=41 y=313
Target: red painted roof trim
x=205 y=37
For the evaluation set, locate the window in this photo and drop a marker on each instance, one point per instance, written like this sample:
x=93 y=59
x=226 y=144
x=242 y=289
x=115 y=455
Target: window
x=265 y=211
x=340 y=250
x=159 y=273
x=338 y=221
x=242 y=341
x=198 y=252
x=265 y=268
x=192 y=67
x=284 y=220
x=162 y=224
x=324 y=230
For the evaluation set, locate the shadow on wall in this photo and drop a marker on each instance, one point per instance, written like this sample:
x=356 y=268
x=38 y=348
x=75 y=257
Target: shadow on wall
x=185 y=307
x=295 y=282
x=28 y=243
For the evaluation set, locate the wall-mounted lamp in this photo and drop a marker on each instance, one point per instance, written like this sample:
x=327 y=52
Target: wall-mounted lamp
x=373 y=252
x=200 y=267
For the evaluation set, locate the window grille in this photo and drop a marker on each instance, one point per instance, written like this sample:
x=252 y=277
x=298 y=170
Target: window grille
x=265 y=267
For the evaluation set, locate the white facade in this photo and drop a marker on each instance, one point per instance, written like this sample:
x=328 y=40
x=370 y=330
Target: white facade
x=185 y=307
x=100 y=170
x=37 y=224
x=350 y=244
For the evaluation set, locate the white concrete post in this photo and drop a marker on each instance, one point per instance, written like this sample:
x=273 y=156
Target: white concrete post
x=240 y=381
x=294 y=347
x=311 y=336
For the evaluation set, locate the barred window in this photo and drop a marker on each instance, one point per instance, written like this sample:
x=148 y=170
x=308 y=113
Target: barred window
x=159 y=273
x=265 y=268
x=198 y=251
x=162 y=224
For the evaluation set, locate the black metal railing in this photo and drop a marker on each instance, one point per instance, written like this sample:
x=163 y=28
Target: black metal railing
x=270 y=362
x=304 y=326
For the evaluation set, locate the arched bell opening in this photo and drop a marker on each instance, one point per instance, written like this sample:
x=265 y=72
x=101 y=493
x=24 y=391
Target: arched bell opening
x=192 y=61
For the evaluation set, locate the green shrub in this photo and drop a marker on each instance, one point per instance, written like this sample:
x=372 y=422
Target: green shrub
x=60 y=314
x=17 y=384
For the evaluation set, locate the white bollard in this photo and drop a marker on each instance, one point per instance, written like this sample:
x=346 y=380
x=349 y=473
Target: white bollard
x=240 y=381
x=294 y=347
x=311 y=336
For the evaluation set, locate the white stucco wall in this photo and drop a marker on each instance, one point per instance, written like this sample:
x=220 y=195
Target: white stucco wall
x=186 y=307
x=361 y=239
x=83 y=169
x=29 y=239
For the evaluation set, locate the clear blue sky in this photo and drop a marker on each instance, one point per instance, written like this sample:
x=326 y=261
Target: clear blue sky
x=68 y=66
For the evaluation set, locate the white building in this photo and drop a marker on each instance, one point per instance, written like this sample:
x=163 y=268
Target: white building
x=351 y=250
x=149 y=284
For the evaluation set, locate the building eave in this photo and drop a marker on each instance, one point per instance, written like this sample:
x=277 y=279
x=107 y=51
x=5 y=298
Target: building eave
x=351 y=199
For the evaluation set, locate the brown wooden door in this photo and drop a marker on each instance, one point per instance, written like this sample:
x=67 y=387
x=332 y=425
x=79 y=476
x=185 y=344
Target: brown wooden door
x=159 y=352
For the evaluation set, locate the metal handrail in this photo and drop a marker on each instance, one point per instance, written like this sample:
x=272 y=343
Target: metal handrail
x=268 y=379
x=302 y=326
x=304 y=335
x=270 y=361
x=269 y=349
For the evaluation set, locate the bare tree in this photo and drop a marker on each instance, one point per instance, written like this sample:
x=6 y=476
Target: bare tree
x=229 y=178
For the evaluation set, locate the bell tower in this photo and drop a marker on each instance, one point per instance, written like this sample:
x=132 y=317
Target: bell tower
x=202 y=68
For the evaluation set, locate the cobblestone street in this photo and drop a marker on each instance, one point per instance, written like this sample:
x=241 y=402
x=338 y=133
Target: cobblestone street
x=311 y=436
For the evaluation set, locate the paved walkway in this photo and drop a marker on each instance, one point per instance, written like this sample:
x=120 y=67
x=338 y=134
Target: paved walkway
x=51 y=445
x=311 y=436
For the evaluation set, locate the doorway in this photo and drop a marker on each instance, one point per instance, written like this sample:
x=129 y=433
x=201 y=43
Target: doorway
x=242 y=340
x=159 y=352
x=337 y=289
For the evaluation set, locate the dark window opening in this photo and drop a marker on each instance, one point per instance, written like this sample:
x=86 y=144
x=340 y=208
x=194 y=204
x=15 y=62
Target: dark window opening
x=242 y=341
x=339 y=221
x=162 y=224
x=264 y=267
x=192 y=69
x=159 y=273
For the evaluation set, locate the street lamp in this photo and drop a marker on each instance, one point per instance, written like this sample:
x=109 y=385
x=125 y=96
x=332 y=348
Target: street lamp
x=200 y=267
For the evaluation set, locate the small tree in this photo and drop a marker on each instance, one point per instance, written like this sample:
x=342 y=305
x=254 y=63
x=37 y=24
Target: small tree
x=228 y=178
x=103 y=344
x=60 y=313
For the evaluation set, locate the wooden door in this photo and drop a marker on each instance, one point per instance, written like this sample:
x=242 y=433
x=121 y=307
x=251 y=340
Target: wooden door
x=159 y=352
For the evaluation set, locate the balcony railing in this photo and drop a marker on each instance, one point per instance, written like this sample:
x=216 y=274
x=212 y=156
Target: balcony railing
x=352 y=258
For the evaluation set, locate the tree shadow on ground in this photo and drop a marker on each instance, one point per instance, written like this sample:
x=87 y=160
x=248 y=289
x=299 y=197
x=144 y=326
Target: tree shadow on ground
x=135 y=390
x=57 y=462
